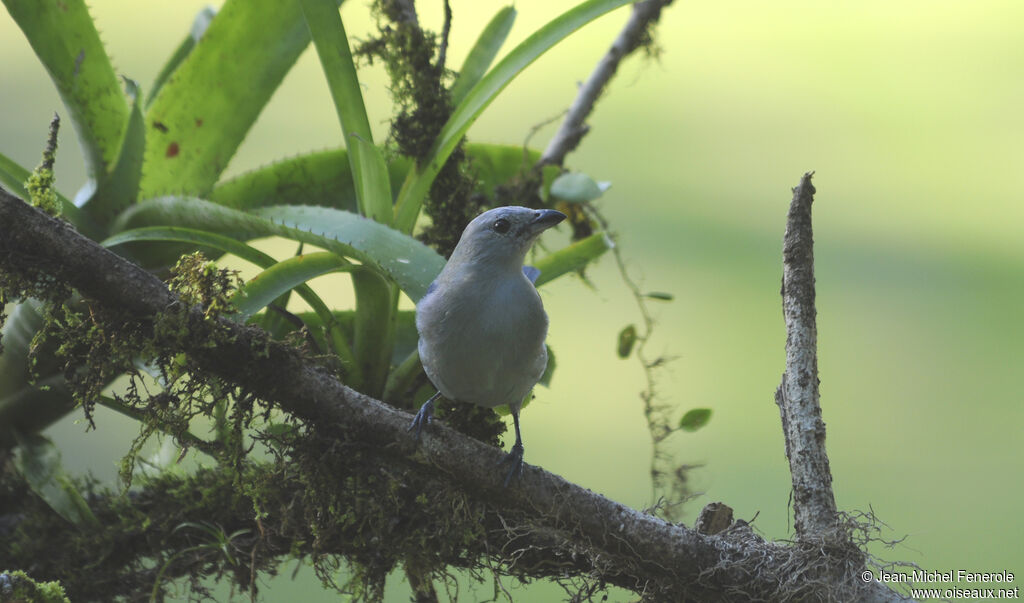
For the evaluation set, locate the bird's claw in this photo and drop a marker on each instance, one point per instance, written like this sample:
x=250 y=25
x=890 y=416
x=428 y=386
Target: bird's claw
x=425 y=416
x=514 y=458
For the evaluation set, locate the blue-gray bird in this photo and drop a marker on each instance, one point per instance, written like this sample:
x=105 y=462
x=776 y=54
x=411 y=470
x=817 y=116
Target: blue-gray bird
x=482 y=324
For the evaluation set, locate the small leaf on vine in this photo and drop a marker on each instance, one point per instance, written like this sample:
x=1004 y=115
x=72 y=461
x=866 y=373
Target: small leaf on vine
x=577 y=187
x=695 y=419
x=627 y=338
x=659 y=295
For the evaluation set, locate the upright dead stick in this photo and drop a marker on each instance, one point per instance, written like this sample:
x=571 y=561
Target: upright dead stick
x=814 y=505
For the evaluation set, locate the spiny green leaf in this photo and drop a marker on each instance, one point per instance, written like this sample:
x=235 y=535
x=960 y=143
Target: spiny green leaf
x=416 y=186
x=483 y=52
x=324 y=178
x=410 y=263
x=119 y=188
x=64 y=38
x=201 y=115
x=695 y=419
x=192 y=235
x=202 y=21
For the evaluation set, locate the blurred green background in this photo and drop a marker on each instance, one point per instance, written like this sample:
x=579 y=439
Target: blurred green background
x=910 y=114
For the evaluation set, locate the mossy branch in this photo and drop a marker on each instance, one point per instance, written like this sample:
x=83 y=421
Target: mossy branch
x=548 y=526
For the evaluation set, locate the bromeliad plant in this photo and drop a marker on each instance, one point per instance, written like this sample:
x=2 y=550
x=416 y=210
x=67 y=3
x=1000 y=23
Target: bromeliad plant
x=155 y=187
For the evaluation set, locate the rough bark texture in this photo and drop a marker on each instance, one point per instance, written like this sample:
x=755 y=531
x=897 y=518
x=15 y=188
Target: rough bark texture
x=568 y=528
x=814 y=505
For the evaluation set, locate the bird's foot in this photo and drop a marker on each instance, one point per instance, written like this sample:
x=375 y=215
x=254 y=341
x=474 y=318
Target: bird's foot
x=515 y=459
x=424 y=417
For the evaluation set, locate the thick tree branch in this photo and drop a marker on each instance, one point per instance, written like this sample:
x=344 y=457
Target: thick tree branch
x=814 y=505
x=574 y=127
x=558 y=522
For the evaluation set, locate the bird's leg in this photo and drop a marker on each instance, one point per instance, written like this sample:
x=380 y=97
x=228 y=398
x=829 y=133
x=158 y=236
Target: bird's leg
x=515 y=456
x=424 y=416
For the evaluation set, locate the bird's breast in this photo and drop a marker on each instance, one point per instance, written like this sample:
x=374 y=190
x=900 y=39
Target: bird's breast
x=485 y=343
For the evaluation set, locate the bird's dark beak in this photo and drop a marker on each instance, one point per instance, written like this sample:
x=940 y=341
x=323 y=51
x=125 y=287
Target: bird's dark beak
x=544 y=219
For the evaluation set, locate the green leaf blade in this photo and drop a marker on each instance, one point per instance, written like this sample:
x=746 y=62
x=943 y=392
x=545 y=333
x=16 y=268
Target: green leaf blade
x=282 y=277
x=481 y=95
x=63 y=36
x=483 y=52
x=374 y=181
x=119 y=187
x=322 y=178
x=199 y=25
x=695 y=419
x=410 y=263
x=247 y=253
x=573 y=257
x=38 y=461
x=328 y=34
x=201 y=114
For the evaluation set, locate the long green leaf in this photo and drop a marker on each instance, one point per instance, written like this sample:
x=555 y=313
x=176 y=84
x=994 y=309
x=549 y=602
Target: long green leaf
x=321 y=178
x=573 y=257
x=237 y=248
x=64 y=38
x=27 y=405
x=408 y=262
x=38 y=461
x=203 y=112
x=374 y=183
x=483 y=52
x=376 y=301
x=13 y=176
x=416 y=186
x=192 y=235
x=406 y=336
x=332 y=47
x=283 y=277
x=199 y=25
x=325 y=177
x=119 y=187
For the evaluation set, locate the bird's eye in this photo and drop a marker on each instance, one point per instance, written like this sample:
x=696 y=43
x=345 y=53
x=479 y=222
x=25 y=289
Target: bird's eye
x=501 y=226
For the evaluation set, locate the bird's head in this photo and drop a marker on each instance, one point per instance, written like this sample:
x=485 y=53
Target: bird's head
x=503 y=235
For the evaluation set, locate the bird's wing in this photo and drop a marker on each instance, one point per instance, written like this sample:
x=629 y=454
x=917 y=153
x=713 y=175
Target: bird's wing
x=531 y=273
x=430 y=288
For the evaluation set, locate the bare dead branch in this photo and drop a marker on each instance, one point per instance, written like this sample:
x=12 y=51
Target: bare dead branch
x=814 y=505
x=574 y=128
